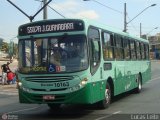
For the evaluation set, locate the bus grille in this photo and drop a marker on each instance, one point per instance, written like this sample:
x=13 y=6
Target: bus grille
x=48 y=79
x=49 y=90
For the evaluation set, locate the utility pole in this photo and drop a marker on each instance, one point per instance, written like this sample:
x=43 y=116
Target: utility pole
x=125 y=14
x=45 y=10
x=125 y=18
x=140 y=30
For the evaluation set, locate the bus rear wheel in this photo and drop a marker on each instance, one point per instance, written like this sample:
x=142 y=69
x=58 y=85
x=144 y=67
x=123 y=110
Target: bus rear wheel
x=107 y=99
x=139 y=82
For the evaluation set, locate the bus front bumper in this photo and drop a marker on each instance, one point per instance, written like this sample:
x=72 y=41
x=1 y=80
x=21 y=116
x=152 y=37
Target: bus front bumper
x=82 y=96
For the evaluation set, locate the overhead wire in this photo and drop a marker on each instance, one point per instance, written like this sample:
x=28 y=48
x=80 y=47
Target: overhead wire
x=56 y=11
x=71 y=11
x=108 y=7
x=51 y=8
x=133 y=26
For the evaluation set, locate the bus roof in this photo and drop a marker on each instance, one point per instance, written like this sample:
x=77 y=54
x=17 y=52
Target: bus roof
x=88 y=23
x=111 y=29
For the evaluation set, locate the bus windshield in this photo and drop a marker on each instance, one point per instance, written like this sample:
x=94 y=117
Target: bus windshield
x=67 y=53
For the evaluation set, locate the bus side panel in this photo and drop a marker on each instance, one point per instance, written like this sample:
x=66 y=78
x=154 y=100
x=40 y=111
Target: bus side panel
x=146 y=71
x=119 y=77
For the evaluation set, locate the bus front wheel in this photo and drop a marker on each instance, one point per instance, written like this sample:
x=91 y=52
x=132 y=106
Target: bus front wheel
x=107 y=98
x=54 y=106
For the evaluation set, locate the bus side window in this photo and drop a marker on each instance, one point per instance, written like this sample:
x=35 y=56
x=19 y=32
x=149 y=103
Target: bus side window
x=142 y=51
x=94 y=41
x=107 y=40
x=119 y=47
x=140 y=48
x=147 y=51
x=133 y=50
x=138 y=51
x=127 y=49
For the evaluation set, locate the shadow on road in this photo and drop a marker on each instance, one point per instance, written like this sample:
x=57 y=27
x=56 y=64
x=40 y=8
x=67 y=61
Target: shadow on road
x=65 y=112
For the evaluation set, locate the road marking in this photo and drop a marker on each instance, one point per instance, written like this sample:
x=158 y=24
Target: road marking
x=107 y=116
x=9 y=92
x=155 y=79
x=23 y=110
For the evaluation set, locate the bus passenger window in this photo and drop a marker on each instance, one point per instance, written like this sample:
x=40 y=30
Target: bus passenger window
x=146 y=52
x=107 y=40
x=138 y=50
x=127 y=49
x=133 y=50
x=142 y=51
x=119 y=47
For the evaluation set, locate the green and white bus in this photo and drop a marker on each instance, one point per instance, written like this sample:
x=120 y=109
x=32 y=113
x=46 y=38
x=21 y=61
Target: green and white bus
x=78 y=61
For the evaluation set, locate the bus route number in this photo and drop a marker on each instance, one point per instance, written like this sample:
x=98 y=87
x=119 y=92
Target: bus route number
x=61 y=84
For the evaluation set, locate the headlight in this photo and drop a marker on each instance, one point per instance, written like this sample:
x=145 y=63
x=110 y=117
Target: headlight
x=23 y=88
x=19 y=84
x=83 y=82
x=26 y=89
x=80 y=85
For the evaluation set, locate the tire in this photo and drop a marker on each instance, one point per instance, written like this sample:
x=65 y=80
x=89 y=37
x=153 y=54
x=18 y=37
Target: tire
x=107 y=100
x=54 y=106
x=139 y=87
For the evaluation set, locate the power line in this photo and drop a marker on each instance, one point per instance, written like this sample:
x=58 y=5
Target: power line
x=56 y=11
x=51 y=8
x=132 y=25
x=71 y=11
x=40 y=6
x=105 y=6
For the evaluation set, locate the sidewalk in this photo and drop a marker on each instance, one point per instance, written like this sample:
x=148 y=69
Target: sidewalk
x=155 y=60
x=13 y=66
x=4 y=59
x=8 y=90
x=8 y=86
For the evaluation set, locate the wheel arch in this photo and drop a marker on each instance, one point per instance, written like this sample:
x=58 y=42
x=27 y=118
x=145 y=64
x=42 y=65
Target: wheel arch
x=111 y=84
x=140 y=74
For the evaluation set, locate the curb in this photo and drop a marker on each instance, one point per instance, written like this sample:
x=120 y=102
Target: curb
x=4 y=60
x=8 y=86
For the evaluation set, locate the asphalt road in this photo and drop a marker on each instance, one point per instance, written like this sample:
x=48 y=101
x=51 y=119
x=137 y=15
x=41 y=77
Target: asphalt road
x=129 y=106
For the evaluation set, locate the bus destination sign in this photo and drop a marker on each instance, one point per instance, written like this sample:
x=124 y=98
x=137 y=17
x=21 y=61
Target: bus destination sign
x=51 y=27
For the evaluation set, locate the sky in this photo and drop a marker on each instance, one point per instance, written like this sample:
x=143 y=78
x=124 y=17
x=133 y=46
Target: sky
x=109 y=12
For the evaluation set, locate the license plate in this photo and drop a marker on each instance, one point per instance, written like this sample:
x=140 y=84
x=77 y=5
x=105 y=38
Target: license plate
x=48 y=97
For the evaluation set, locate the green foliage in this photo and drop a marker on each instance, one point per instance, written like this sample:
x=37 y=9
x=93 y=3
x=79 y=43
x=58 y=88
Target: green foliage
x=1 y=41
x=5 y=47
x=158 y=37
x=11 y=48
x=15 y=49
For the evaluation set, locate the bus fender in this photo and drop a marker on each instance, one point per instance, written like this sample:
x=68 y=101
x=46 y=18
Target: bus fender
x=110 y=82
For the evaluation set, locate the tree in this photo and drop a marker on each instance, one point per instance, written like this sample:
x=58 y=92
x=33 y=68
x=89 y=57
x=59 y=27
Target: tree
x=15 y=49
x=5 y=47
x=1 y=41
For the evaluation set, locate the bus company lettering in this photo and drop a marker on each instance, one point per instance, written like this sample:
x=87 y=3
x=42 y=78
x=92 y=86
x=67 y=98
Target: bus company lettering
x=50 y=28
